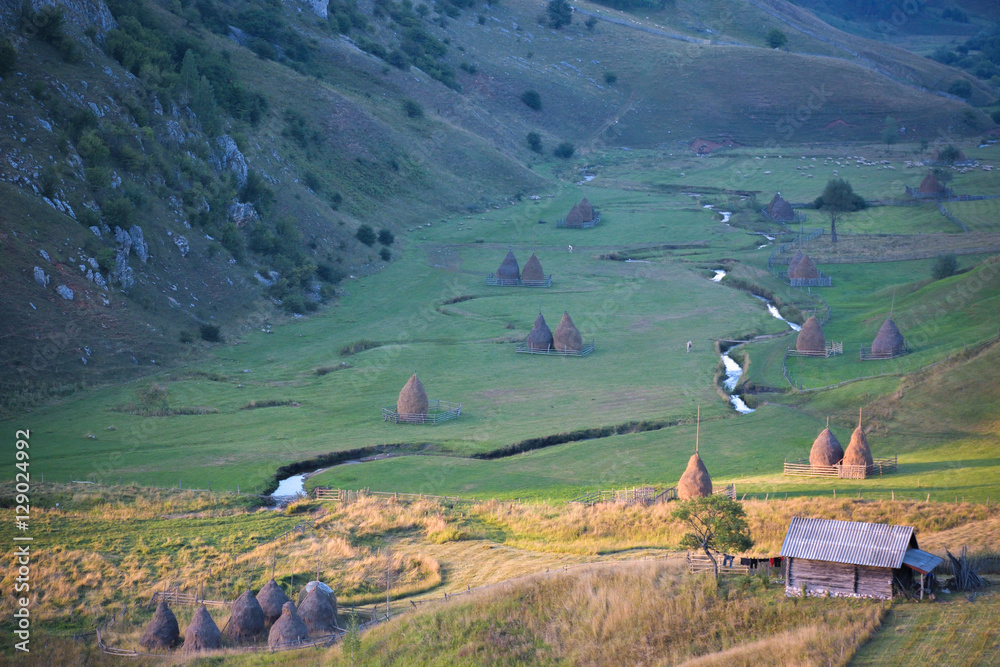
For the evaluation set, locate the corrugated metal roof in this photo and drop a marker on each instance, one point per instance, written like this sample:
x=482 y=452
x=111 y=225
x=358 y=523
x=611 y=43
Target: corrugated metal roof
x=873 y=544
x=921 y=561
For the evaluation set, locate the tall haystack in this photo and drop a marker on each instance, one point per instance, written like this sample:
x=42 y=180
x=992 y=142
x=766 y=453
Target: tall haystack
x=804 y=270
x=288 y=629
x=271 y=598
x=888 y=340
x=931 y=185
x=826 y=449
x=811 y=338
x=162 y=631
x=695 y=482
x=319 y=612
x=532 y=269
x=780 y=210
x=202 y=633
x=566 y=337
x=796 y=258
x=575 y=217
x=540 y=336
x=509 y=270
x=858 y=453
x=246 y=622
x=586 y=210
x=412 y=398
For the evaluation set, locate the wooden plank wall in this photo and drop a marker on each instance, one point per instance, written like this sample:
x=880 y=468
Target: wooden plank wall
x=837 y=579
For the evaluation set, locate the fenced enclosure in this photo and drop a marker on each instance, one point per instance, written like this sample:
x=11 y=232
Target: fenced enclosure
x=645 y=495
x=728 y=491
x=438 y=411
x=493 y=281
x=831 y=350
x=802 y=468
x=174 y=595
x=823 y=281
x=867 y=354
x=582 y=352
x=583 y=225
x=350 y=496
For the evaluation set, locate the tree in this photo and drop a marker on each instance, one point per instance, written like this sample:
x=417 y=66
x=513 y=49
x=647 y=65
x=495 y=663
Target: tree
x=366 y=235
x=949 y=154
x=8 y=57
x=890 y=133
x=532 y=99
x=776 y=39
x=535 y=142
x=564 y=150
x=559 y=13
x=610 y=78
x=591 y=23
x=714 y=522
x=838 y=198
x=945 y=265
x=961 y=88
x=413 y=109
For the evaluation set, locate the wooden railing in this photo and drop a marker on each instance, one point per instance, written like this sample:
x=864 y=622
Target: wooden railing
x=587 y=349
x=868 y=355
x=349 y=496
x=583 y=225
x=646 y=495
x=802 y=468
x=831 y=350
x=493 y=281
x=438 y=411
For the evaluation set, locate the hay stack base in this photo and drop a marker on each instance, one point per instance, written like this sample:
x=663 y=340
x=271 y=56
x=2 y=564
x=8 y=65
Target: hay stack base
x=437 y=411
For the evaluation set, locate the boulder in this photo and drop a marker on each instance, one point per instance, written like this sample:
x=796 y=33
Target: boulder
x=139 y=243
x=40 y=277
x=229 y=156
x=65 y=292
x=241 y=214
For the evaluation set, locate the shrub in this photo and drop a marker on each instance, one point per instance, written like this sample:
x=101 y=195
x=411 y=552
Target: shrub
x=610 y=78
x=564 y=150
x=776 y=39
x=328 y=274
x=945 y=265
x=385 y=254
x=293 y=303
x=8 y=57
x=960 y=88
x=385 y=237
x=559 y=13
x=358 y=346
x=996 y=116
x=366 y=235
x=186 y=337
x=118 y=211
x=532 y=99
x=413 y=109
x=535 y=142
x=210 y=333
x=98 y=177
x=591 y=23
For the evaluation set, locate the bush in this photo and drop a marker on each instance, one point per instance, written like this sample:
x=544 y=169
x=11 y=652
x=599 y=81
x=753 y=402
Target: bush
x=945 y=265
x=413 y=109
x=961 y=88
x=559 y=13
x=610 y=78
x=210 y=333
x=385 y=254
x=8 y=57
x=329 y=274
x=532 y=99
x=535 y=142
x=996 y=116
x=385 y=237
x=186 y=337
x=776 y=39
x=118 y=212
x=98 y=177
x=564 y=150
x=366 y=235
x=591 y=23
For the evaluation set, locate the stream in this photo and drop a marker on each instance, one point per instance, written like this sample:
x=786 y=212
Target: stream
x=777 y=315
x=292 y=487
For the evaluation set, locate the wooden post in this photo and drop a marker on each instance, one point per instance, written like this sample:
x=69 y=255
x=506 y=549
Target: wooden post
x=921 y=585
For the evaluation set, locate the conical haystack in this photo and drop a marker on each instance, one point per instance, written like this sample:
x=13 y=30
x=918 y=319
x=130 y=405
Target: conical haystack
x=858 y=452
x=931 y=185
x=796 y=258
x=532 y=269
x=412 y=398
x=162 y=631
x=780 y=210
x=804 y=270
x=246 y=622
x=586 y=210
x=695 y=482
x=308 y=588
x=319 y=612
x=888 y=340
x=288 y=629
x=271 y=598
x=509 y=270
x=540 y=336
x=811 y=338
x=826 y=449
x=575 y=217
x=202 y=633
x=566 y=337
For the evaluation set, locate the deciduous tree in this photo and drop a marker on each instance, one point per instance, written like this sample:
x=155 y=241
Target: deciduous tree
x=714 y=523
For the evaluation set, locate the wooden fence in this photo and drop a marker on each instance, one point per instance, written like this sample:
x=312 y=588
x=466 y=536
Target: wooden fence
x=802 y=468
x=350 y=496
x=645 y=495
x=583 y=225
x=438 y=411
x=493 y=281
x=174 y=595
x=866 y=353
x=831 y=350
x=728 y=491
x=587 y=349
x=823 y=281
x=700 y=564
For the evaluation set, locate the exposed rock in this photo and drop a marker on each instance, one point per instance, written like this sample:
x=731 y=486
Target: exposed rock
x=96 y=230
x=174 y=132
x=241 y=214
x=44 y=255
x=139 y=243
x=157 y=107
x=65 y=292
x=40 y=277
x=123 y=239
x=83 y=13
x=230 y=157
x=182 y=245
x=99 y=280
x=318 y=7
x=116 y=180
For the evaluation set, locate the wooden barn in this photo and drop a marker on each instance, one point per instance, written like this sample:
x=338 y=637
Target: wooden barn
x=852 y=559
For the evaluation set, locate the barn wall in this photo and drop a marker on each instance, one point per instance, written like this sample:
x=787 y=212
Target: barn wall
x=836 y=579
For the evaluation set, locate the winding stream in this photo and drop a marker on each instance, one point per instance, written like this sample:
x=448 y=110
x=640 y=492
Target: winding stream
x=733 y=373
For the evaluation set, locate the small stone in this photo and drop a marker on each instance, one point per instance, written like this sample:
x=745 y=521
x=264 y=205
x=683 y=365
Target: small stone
x=40 y=277
x=65 y=292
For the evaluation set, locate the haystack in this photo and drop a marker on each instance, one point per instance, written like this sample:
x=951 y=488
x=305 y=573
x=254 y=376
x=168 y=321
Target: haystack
x=695 y=482
x=532 y=269
x=566 y=337
x=509 y=270
x=804 y=270
x=540 y=336
x=575 y=217
x=271 y=598
x=796 y=258
x=412 y=398
x=319 y=612
x=858 y=453
x=162 y=631
x=309 y=587
x=931 y=185
x=289 y=628
x=888 y=341
x=586 y=210
x=811 y=338
x=826 y=449
x=202 y=633
x=780 y=210
x=246 y=622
